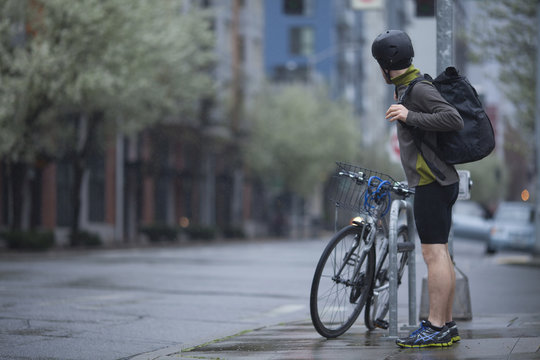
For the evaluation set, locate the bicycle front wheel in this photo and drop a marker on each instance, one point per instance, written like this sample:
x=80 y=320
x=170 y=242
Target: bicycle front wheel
x=378 y=305
x=342 y=282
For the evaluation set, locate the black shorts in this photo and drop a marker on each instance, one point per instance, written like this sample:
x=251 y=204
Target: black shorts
x=433 y=211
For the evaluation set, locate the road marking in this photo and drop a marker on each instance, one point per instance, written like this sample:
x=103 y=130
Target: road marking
x=285 y=309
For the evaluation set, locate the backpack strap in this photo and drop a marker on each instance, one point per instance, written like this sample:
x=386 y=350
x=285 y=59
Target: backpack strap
x=418 y=134
x=425 y=78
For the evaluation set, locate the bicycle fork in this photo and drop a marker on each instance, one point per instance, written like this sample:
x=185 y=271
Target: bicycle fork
x=351 y=258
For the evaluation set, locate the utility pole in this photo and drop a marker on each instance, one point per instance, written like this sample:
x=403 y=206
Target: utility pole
x=537 y=131
x=445 y=57
x=445 y=54
x=445 y=34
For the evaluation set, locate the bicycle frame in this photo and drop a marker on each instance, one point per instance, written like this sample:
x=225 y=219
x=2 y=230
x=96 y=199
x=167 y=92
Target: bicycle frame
x=369 y=241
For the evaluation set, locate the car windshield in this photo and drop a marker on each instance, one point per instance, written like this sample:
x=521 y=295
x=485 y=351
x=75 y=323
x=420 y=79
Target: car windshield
x=513 y=214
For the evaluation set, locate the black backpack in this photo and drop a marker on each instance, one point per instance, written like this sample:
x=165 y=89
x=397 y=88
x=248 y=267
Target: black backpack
x=476 y=140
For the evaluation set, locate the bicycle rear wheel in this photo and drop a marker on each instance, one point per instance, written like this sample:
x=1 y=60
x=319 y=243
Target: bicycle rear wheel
x=342 y=282
x=377 y=306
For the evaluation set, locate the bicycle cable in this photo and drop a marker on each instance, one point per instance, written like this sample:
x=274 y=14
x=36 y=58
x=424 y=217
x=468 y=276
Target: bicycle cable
x=376 y=193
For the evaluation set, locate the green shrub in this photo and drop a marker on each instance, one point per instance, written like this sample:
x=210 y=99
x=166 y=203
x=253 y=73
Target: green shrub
x=87 y=238
x=159 y=232
x=201 y=232
x=29 y=240
x=233 y=233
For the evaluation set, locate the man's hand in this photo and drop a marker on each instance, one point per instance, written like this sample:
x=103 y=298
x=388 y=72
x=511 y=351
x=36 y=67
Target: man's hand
x=397 y=112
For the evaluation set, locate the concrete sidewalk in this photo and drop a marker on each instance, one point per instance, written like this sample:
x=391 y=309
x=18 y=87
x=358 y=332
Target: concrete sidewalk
x=511 y=336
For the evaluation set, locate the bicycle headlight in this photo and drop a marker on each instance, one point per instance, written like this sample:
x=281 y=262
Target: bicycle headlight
x=358 y=220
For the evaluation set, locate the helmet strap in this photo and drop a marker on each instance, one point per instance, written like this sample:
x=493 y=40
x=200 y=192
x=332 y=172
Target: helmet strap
x=387 y=74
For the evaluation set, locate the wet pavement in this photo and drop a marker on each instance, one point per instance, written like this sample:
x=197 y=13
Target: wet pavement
x=226 y=301
x=512 y=336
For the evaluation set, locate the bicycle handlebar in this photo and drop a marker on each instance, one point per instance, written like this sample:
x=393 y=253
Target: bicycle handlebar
x=397 y=187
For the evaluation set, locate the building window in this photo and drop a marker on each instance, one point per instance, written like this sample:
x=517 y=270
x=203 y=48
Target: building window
x=161 y=199
x=290 y=73
x=297 y=7
x=64 y=194
x=301 y=40
x=96 y=188
x=161 y=160
x=425 y=8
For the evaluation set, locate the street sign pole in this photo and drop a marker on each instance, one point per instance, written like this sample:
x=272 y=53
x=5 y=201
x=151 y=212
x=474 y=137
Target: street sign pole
x=461 y=308
x=445 y=54
x=445 y=34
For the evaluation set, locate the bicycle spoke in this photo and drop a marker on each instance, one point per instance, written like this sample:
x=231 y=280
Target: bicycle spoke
x=338 y=293
x=378 y=308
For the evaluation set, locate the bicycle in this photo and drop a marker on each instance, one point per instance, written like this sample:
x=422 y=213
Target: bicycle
x=349 y=275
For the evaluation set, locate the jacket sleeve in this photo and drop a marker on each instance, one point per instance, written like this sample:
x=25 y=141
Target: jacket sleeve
x=429 y=111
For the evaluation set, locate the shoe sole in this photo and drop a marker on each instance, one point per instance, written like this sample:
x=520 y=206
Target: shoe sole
x=456 y=339
x=448 y=344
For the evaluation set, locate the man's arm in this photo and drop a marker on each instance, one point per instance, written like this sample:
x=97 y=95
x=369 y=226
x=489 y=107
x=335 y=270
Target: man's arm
x=429 y=111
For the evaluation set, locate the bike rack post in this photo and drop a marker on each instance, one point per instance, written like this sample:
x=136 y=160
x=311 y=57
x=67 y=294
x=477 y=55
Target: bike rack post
x=397 y=206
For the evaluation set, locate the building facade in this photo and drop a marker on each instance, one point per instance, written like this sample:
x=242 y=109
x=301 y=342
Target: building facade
x=315 y=41
x=184 y=173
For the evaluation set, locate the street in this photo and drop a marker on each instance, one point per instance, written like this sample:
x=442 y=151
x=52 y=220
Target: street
x=114 y=304
x=117 y=303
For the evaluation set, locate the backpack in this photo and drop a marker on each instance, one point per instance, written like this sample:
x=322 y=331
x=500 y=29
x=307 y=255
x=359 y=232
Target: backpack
x=476 y=140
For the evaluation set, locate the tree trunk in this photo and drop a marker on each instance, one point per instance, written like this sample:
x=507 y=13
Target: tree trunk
x=296 y=230
x=35 y=183
x=78 y=173
x=87 y=127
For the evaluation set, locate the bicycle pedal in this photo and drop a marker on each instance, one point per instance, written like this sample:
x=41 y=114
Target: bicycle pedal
x=381 y=324
x=405 y=246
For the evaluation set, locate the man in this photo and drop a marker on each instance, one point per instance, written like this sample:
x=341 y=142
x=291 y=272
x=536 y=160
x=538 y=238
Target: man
x=436 y=183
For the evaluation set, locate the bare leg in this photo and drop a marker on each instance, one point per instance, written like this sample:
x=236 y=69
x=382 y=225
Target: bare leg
x=441 y=280
x=452 y=289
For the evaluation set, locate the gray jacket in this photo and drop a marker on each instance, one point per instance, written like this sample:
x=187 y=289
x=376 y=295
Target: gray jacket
x=430 y=112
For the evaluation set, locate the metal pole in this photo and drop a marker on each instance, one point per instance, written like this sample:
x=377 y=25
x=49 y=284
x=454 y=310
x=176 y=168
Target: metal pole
x=397 y=206
x=445 y=34
x=537 y=128
x=445 y=56
x=393 y=270
x=411 y=264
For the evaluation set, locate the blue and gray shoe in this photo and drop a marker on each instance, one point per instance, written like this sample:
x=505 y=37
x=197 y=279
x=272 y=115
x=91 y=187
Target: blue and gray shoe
x=453 y=331
x=427 y=336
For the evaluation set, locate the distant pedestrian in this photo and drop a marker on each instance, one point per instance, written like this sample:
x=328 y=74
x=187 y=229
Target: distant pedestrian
x=425 y=109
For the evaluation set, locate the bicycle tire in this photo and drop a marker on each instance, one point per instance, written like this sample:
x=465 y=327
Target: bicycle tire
x=335 y=305
x=377 y=305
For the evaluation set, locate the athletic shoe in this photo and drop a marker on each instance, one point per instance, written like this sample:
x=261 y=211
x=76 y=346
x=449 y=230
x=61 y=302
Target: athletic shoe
x=453 y=331
x=427 y=336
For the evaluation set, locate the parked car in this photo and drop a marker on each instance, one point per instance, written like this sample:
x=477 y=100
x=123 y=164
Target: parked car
x=513 y=227
x=469 y=221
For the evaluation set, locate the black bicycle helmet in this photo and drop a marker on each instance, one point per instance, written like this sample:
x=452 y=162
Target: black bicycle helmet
x=393 y=50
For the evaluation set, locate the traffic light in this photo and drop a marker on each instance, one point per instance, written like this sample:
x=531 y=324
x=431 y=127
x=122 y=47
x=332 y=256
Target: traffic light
x=425 y=8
